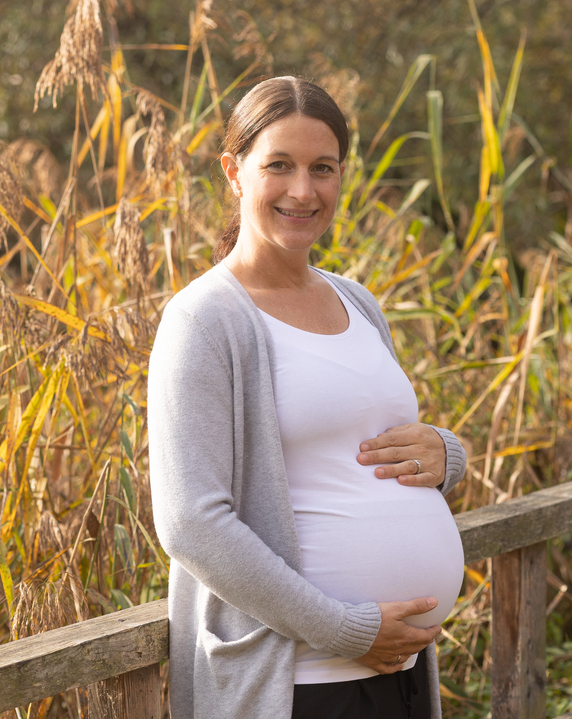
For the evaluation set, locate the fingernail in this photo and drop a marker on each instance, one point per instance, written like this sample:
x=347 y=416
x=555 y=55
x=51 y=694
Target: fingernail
x=379 y=473
x=362 y=457
x=365 y=447
x=432 y=602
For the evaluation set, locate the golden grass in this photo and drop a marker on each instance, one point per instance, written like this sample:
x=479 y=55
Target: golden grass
x=103 y=250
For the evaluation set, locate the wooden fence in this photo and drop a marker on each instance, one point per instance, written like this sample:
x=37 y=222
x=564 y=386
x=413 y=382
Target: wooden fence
x=117 y=656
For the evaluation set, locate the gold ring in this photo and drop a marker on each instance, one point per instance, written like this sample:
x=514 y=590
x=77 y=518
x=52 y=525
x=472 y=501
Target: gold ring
x=396 y=661
x=418 y=463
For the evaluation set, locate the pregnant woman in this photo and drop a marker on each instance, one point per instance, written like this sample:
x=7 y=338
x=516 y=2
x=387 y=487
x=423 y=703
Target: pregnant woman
x=313 y=554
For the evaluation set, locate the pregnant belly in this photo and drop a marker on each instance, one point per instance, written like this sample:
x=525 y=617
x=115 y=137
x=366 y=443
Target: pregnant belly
x=400 y=544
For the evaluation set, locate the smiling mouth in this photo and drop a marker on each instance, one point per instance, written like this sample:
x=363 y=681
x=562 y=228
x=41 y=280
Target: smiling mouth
x=300 y=215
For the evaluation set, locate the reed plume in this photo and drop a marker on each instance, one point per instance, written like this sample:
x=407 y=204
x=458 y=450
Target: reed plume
x=10 y=193
x=130 y=248
x=39 y=168
x=78 y=58
x=159 y=146
x=41 y=607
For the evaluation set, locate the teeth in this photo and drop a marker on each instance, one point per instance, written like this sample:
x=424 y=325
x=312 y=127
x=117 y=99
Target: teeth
x=295 y=214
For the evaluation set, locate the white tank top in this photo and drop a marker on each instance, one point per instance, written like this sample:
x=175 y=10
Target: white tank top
x=362 y=539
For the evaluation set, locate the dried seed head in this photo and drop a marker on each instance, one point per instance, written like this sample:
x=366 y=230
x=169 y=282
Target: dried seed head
x=35 y=329
x=56 y=348
x=159 y=150
x=39 y=168
x=91 y=358
x=40 y=608
x=111 y=8
x=49 y=533
x=140 y=327
x=79 y=56
x=12 y=316
x=10 y=192
x=342 y=85
x=130 y=247
x=251 y=42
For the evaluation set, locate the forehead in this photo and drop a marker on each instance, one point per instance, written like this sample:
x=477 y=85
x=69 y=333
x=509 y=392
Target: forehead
x=297 y=134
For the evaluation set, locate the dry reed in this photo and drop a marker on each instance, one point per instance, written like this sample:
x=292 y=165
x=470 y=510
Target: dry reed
x=74 y=356
x=10 y=192
x=159 y=148
x=78 y=58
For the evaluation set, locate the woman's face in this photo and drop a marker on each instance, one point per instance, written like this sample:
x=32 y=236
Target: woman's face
x=288 y=184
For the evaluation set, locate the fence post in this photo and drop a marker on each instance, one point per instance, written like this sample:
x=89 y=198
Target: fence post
x=133 y=695
x=518 y=676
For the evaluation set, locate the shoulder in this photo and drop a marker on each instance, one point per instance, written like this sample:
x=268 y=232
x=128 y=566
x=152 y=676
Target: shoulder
x=215 y=300
x=216 y=310
x=209 y=294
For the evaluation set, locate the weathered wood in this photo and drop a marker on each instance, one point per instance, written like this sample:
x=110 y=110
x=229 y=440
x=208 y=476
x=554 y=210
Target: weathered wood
x=106 y=699
x=134 y=695
x=500 y=528
x=518 y=675
x=82 y=654
x=143 y=693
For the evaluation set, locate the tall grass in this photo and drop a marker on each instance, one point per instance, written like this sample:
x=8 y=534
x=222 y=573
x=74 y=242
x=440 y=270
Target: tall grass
x=94 y=250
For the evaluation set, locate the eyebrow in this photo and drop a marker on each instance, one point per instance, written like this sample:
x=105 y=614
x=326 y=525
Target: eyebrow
x=323 y=157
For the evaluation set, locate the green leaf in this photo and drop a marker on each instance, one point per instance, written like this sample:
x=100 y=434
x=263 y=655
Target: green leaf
x=123 y=546
x=126 y=442
x=122 y=600
x=128 y=487
x=435 y=113
x=146 y=534
x=514 y=177
x=108 y=607
x=419 y=64
x=510 y=94
x=134 y=406
x=385 y=163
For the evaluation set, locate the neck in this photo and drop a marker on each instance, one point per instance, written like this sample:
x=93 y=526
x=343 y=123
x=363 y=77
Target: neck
x=269 y=267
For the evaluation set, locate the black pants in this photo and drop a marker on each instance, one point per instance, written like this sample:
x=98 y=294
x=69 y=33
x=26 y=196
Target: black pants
x=403 y=695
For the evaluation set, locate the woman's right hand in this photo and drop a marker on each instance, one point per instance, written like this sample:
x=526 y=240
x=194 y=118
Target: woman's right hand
x=398 y=639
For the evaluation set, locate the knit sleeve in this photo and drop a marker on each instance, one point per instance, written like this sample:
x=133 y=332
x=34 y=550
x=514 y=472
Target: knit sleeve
x=456 y=459
x=192 y=436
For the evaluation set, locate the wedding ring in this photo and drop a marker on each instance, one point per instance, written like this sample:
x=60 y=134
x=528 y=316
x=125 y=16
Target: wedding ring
x=396 y=661
x=418 y=463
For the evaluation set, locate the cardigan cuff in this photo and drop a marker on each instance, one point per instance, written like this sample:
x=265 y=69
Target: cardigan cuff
x=456 y=461
x=358 y=630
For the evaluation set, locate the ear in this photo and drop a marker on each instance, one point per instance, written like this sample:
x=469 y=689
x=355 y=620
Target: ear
x=342 y=169
x=231 y=168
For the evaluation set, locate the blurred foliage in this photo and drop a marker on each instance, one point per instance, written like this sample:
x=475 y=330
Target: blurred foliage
x=379 y=39
x=459 y=219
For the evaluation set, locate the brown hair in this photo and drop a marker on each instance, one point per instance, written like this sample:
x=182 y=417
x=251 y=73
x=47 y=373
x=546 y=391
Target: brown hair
x=267 y=102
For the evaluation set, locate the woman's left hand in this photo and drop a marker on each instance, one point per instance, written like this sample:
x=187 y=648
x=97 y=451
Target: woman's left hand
x=398 y=447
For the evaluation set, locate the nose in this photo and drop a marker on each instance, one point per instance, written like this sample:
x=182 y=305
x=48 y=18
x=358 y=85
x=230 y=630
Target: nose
x=302 y=187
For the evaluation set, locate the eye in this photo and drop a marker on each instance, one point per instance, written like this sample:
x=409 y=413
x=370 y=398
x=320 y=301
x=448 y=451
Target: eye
x=278 y=165
x=324 y=169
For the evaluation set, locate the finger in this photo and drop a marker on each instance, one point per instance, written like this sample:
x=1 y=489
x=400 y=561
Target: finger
x=420 y=605
x=407 y=468
x=391 y=455
x=383 y=668
x=390 y=438
x=425 y=479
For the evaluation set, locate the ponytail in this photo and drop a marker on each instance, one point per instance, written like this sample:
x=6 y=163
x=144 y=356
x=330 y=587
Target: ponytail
x=227 y=239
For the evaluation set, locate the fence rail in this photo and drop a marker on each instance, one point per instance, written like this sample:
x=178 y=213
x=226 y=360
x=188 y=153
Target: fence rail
x=118 y=655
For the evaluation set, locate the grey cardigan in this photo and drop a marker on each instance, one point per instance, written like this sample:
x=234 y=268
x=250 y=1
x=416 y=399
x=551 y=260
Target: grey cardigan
x=237 y=600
